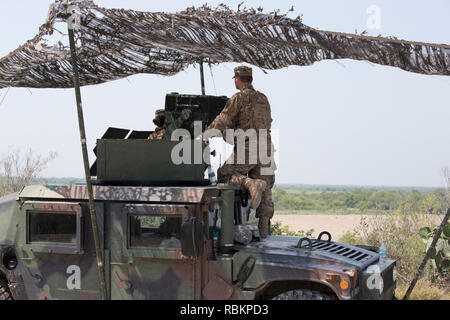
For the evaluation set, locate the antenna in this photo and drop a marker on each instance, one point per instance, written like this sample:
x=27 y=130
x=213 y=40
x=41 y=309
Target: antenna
x=202 y=76
x=76 y=85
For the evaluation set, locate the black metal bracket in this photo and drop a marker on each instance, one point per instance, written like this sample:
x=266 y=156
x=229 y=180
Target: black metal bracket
x=300 y=243
x=326 y=233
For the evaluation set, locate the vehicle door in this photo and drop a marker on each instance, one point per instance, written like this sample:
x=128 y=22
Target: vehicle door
x=55 y=250
x=146 y=260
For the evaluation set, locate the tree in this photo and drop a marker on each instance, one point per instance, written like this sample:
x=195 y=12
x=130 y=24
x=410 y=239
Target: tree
x=17 y=170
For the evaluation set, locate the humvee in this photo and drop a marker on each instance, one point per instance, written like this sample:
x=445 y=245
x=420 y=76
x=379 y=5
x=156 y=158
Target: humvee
x=166 y=232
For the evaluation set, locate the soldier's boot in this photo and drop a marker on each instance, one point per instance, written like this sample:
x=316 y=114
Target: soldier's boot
x=256 y=188
x=263 y=226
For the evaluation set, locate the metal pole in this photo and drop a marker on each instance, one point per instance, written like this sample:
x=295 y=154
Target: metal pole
x=427 y=255
x=202 y=77
x=76 y=82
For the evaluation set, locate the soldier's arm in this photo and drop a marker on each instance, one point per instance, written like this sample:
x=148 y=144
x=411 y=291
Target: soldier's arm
x=225 y=119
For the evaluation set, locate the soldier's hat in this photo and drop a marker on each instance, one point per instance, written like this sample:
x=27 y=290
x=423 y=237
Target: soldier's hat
x=159 y=118
x=159 y=113
x=243 y=71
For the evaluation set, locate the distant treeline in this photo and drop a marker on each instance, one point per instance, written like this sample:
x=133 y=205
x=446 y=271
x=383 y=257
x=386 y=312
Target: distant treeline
x=299 y=187
x=65 y=180
x=361 y=199
x=339 y=188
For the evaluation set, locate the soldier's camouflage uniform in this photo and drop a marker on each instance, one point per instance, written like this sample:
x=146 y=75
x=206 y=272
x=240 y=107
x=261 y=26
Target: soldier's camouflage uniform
x=157 y=134
x=159 y=122
x=248 y=109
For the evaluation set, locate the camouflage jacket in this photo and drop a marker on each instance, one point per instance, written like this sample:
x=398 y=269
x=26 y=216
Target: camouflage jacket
x=247 y=109
x=157 y=134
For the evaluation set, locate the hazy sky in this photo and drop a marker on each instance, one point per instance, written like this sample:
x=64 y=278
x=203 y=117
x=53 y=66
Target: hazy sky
x=340 y=122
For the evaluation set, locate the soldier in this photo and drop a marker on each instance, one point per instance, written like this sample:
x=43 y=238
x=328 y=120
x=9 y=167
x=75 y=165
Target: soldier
x=249 y=109
x=159 y=122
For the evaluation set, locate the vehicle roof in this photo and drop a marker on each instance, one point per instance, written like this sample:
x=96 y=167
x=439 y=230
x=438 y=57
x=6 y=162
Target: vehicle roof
x=119 y=193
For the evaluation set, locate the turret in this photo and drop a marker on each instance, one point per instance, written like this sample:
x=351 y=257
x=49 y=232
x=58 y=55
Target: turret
x=126 y=157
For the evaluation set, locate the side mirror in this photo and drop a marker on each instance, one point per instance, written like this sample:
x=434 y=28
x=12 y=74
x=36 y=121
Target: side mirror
x=192 y=238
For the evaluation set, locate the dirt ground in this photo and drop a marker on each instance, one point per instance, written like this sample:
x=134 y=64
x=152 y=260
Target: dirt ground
x=337 y=225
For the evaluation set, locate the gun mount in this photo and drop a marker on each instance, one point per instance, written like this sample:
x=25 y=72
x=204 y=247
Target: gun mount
x=126 y=157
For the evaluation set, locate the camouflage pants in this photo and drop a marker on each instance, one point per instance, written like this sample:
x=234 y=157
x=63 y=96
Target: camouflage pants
x=157 y=134
x=237 y=174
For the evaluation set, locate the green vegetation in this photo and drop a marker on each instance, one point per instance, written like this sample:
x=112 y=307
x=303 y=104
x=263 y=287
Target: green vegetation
x=402 y=231
x=356 y=200
x=440 y=257
x=342 y=188
x=66 y=180
x=277 y=230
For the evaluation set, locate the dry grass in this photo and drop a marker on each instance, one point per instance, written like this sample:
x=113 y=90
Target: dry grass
x=424 y=290
x=400 y=232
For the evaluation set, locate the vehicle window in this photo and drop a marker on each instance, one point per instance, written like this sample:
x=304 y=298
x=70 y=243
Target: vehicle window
x=159 y=231
x=52 y=227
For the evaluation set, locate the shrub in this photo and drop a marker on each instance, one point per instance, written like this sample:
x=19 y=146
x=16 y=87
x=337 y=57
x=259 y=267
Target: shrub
x=440 y=256
x=17 y=171
x=399 y=231
x=277 y=230
x=351 y=237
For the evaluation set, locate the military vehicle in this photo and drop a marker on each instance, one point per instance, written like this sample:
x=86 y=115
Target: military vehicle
x=166 y=232
x=147 y=227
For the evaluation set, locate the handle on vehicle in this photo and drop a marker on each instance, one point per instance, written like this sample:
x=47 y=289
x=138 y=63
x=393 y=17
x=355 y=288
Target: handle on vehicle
x=322 y=233
x=300 y=243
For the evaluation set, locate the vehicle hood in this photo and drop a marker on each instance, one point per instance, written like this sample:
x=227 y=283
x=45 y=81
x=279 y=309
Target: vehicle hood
x=334 y=252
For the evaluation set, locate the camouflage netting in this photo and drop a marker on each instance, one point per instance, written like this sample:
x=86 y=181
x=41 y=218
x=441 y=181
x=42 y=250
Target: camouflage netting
x=116 y=43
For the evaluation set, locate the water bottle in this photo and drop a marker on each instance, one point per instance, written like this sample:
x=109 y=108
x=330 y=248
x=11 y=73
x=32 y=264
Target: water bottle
x=382 y=253
x=212 y=175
